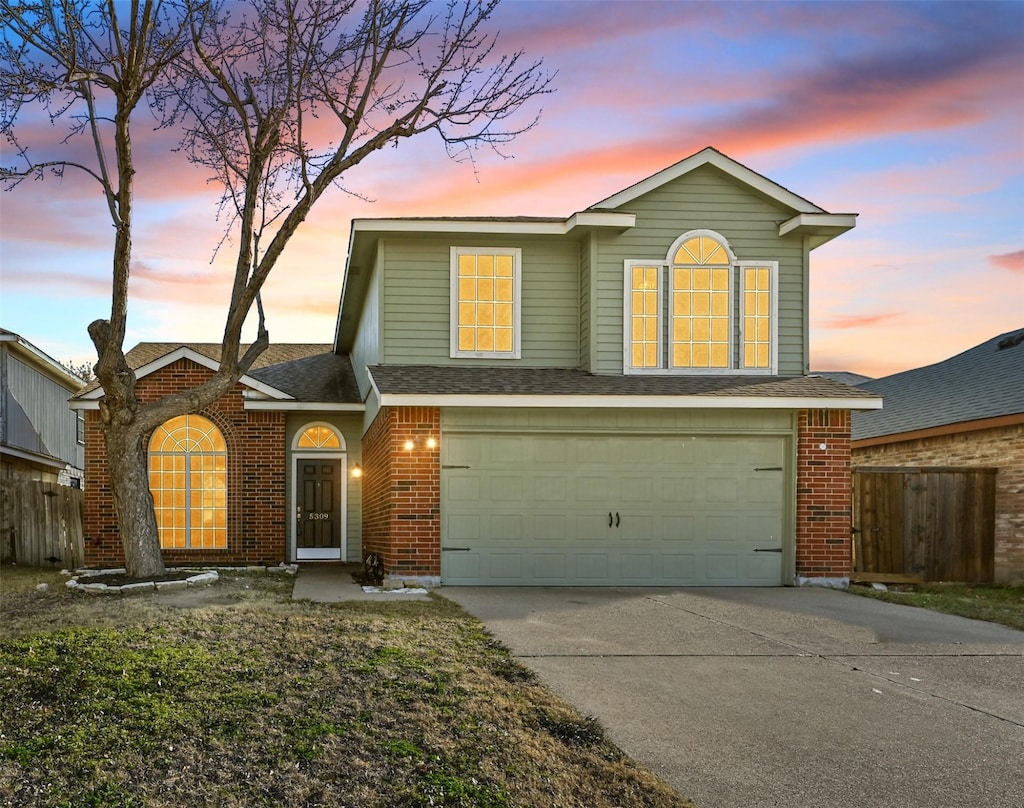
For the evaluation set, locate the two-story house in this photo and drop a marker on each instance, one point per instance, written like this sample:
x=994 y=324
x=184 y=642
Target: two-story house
x=40 y=439
x=617 y=397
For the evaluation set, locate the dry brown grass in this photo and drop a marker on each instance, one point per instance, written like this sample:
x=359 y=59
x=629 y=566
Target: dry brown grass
x=238 y=696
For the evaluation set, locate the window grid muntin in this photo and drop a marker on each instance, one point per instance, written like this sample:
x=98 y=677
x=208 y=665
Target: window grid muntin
x=701 y=316
x=188 y=481
x=486 y=302
x=688 y=250
x=318 y=436
x=645 y=291
x=758 y=313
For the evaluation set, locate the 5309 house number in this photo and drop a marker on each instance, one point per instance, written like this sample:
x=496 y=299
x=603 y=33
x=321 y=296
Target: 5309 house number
x=318 y=517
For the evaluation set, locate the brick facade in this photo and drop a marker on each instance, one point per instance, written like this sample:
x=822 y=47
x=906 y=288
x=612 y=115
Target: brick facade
x=257 y=496
x=1000 y=447
x=824 y=495
x=402 y=491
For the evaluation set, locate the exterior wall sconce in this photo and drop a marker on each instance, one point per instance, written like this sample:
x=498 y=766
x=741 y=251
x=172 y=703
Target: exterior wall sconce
x=357 y=471
x=429 y=443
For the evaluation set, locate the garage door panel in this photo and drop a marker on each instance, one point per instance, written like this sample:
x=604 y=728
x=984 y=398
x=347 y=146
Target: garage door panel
x=463 y=489
x=534 y=509
x=678 y=489
x=679 y=566
x=505 y=567
x=592 y=568
x=637 y=490
x=551 y=489
x=636 y=567
x=722 y=490
x=721 y=567
x=593 y=489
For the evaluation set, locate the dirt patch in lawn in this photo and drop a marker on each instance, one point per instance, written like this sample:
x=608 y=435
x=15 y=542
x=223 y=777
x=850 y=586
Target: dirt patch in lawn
x=238 y=696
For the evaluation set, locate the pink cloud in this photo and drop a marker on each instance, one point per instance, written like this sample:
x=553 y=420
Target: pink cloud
x=843 y=321
x=1012 y=262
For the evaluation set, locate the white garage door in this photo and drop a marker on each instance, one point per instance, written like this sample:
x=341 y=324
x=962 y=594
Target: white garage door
x=598 y=510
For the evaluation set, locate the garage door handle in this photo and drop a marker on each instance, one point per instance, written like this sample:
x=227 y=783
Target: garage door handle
x=456 y=549
x=610 y=519
x=767 y=549
x=616 y=519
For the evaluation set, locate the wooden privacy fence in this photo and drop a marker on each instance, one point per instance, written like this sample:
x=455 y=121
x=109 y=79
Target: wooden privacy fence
x=935 y=524
x=41 y=521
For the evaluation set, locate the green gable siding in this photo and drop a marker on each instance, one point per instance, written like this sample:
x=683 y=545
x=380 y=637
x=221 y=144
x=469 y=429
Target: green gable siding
x=417 y=299
x=585 y=319
x=704 y=198
x=366 y=347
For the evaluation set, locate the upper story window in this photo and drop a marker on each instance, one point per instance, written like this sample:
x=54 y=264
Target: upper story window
x=701 y=310
x=485 y=302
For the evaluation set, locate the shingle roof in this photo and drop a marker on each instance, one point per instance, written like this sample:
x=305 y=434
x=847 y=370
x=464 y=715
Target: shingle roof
x=844 y=376
x=305 y=371
x=325 y=378
x=986 y=381
x=429 y=380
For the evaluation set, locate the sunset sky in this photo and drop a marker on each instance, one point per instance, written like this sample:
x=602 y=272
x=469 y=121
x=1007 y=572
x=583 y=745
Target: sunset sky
x=910 y=114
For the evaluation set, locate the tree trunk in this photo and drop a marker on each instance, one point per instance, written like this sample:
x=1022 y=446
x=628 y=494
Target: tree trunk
x=129 y=483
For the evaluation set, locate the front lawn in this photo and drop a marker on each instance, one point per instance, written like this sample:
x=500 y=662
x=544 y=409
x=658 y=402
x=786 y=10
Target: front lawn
x=238 y=696
x=996 y=604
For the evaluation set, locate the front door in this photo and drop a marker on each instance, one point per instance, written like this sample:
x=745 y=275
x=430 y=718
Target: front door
x=319 y=509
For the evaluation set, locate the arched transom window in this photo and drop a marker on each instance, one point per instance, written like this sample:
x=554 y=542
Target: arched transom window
x=701 y=310
x=700 y=304
x=318 y=436
x=188 y=479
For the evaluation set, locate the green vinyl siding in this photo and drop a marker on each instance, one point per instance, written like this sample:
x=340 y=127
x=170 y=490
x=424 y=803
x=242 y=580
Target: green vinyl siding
x=416 y=300
x=702 y=199
x=366 y=347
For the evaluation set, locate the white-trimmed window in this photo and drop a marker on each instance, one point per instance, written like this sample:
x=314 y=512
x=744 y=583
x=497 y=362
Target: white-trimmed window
x=485 y=302
x=701 y=310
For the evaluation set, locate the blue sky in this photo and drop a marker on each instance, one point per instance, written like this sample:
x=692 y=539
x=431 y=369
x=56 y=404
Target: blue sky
x=910 y=114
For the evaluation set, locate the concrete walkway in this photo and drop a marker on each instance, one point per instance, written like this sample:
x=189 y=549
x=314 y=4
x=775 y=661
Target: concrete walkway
x=333 y=583
x=804 y=698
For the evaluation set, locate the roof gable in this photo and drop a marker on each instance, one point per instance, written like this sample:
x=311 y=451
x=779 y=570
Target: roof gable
x=986 y=381
x=711 y=157
x=149 y=357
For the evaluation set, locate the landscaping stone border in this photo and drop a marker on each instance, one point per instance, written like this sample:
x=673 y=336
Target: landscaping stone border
x=203 y=577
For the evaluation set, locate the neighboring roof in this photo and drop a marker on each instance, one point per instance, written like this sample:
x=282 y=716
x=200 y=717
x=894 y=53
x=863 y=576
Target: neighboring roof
x=298 y=372
x=42 y=361
x=445 y=384
x=984 y=382
x=843 y=376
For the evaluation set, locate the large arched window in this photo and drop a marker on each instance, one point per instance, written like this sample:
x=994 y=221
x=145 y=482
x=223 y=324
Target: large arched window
x=701 y=310
x=188 y=478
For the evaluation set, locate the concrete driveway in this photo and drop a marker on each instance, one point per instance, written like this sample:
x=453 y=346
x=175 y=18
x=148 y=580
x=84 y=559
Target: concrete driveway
x=781 y=697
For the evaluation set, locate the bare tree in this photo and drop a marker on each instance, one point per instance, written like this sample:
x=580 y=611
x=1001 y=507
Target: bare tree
x=277 y=99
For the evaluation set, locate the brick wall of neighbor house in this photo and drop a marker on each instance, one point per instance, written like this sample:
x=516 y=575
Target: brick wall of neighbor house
x=257 y=528
x=1001 y=448
x=824 y=495
x=402 y=491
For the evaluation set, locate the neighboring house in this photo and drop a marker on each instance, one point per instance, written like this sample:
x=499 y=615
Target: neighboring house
x=40 y=439
x=616 y=397
x=965 y=411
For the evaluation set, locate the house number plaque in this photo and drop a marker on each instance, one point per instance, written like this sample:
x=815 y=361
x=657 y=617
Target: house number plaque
x=318 y=517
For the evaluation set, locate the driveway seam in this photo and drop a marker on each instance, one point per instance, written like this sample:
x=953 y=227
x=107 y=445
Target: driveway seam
x=836 y=659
